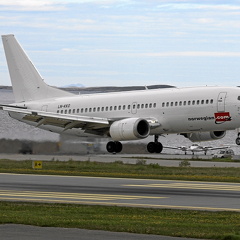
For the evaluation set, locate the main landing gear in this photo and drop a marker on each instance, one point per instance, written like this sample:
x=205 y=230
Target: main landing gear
x=238 y=139
x=152 y=147
x=114 y=147
x=155 y=147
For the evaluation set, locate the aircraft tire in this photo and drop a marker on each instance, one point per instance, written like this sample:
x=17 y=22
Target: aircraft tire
x=111 y=147
x=114 y=147
x=151 y=147
x=118 y=147
x=238 y=141
x=159 y=147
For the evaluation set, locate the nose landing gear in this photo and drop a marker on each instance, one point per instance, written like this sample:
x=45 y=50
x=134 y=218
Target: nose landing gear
x=155 y=147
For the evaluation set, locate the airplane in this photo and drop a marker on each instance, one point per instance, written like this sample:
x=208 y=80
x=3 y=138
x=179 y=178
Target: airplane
x=195 y=148
x=197 y=113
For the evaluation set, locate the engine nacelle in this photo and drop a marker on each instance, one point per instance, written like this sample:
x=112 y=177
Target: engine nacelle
x=129 y=129
x=204 y=136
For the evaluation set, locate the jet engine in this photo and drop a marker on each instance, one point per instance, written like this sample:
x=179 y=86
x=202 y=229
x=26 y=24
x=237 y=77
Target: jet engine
x=129 y=129
x=204 y=136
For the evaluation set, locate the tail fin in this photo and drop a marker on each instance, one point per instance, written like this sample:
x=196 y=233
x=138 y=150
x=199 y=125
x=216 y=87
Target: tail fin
x=27 y=83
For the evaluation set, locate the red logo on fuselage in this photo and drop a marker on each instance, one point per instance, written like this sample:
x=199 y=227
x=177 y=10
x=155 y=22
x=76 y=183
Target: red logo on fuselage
x=222 y=117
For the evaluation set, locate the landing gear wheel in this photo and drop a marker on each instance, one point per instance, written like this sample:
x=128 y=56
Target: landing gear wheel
x=110 y=147
x=154 y=147
x=118 y=147
x=151 y=147
x=114 y=147
x=159 y=147
x=238 y=141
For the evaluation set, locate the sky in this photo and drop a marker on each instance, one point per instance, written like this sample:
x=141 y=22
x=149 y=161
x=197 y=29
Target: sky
x=127 y=42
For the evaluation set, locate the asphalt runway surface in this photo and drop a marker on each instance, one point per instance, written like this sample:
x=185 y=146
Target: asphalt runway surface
x=22 y=232
x=121 y=192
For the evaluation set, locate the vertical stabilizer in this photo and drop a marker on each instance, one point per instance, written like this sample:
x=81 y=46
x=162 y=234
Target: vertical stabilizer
x=27 y=83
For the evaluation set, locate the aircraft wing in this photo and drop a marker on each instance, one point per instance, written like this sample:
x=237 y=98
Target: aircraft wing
x=177 y=148
x=94 y=125
x=214 y=148
x=89 y=124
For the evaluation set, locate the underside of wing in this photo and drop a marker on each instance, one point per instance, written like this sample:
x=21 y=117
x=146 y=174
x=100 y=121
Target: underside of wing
x=93 y=125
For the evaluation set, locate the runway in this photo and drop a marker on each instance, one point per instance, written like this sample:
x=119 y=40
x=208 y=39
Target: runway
x=121 y=192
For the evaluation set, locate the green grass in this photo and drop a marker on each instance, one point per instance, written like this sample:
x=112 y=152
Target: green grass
x=118 y=169
x=181 y=223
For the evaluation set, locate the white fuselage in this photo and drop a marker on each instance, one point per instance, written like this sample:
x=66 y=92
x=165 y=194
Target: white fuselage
x=178 y=110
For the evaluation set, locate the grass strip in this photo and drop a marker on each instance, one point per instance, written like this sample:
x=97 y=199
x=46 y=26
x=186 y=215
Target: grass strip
x=118 y=169
x=178 y=223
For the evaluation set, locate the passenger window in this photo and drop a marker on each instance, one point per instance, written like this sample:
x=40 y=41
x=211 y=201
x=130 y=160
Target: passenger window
x=94 y=109
x=167 y=104
x=211 y=101
x=180 y=103
x=81 y=110
x=239 y=98
x=124 y=107
x=146 y=105
x=185 y=103
x=73 y=110
x=129 y=107
x=115 y=108
x=202 y=102
x=207 y=101
x=150 y=105
x=78 y=110
x=69 y=111
x=189 y=102
x=86 y=109
x=198 y=102
x=163 y=104
x=176 y=103
x=98 y=109
x=61 y=111
x=138 y=106
x=57 y=111
x=154 y=105
x=66 y=111
x=193 y=102
x=119 y=107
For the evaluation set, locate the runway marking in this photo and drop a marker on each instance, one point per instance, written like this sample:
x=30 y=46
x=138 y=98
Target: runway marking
x=93 y=199
x=76 y=196
x=127 y=204
x=187 y=185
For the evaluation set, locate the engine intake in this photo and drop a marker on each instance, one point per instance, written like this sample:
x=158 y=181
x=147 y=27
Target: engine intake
x=129 y=129
x=204 y=136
